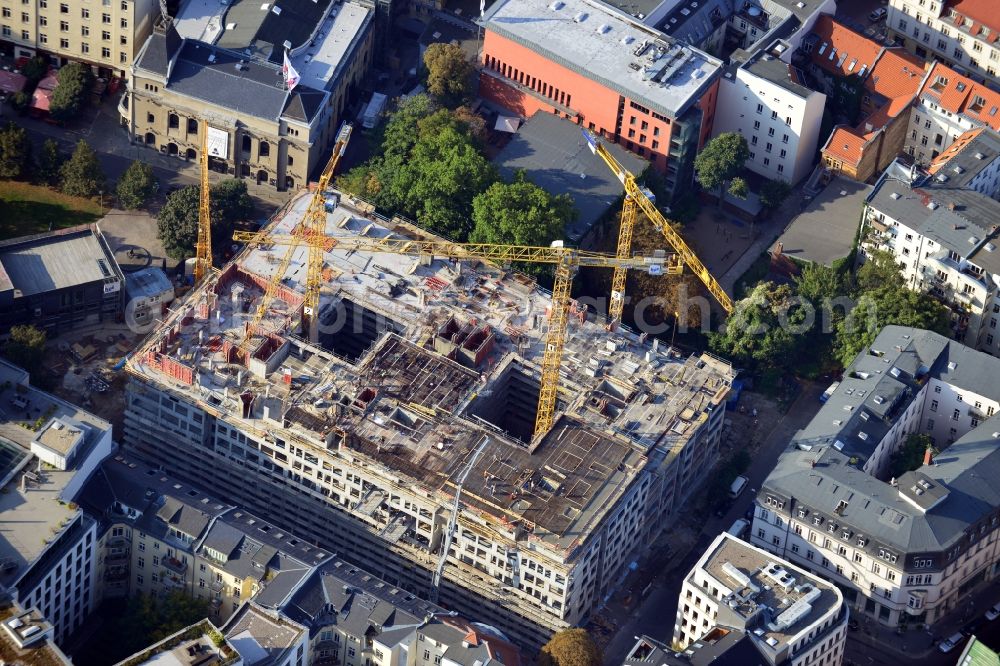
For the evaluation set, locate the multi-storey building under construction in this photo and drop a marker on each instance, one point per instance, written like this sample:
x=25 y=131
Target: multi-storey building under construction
x=423 y=381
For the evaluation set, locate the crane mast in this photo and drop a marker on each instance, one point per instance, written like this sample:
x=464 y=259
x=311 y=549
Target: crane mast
x=203 y=247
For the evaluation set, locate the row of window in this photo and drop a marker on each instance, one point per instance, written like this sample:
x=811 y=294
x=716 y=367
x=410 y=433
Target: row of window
x=528 y=81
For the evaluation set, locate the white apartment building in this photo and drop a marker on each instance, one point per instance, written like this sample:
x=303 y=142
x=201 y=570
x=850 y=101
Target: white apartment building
x=105 y=34
x=789 y=615
x=904 y=550
x=959 y=33
x=764 y=101
x=947 y=106
x=47 y=550
x=942 y=229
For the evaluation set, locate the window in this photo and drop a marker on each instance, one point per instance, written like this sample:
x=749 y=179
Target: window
x=934 y=405
x=767 y=148
x=6 y=12
x=85 y=13
x=150 y=118
x=64 y=43
x=43 y=21
x=105 y=35
x=760 y=108
x=784 y=138
x=955 y=414
x=106 y=18
x=105 y=52
x=85 y=31
x=788 y=120
x=753 y=140
x=265 y=149
x=124 y=22
x=25 y=35
x=85 y=47
x=930 y=424
x=770 y=131
x=63 y=26
x=63 y=8
x=774 y=115
x=44 y=39
x=781 y=167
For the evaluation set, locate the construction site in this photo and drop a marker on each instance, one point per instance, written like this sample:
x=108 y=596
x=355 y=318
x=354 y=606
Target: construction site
x=419 y=408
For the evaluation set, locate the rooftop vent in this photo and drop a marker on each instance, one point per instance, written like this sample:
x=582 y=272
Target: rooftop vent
x=973 y=240
x=557 y=5
x=958 y=169
x=894 y=195
x=603 y=29
x=932 y=205
x=942 y=178
x=980 y=156
x=990 y=247
x=580 y=17
x=287 y=44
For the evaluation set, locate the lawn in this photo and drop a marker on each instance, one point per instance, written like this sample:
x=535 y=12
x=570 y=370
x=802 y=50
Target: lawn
x=31 y=209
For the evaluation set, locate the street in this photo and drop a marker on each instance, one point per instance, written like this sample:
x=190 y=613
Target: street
x=655 y=614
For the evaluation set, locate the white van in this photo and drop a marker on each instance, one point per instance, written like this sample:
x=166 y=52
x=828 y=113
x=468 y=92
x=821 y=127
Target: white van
x=739 y=485
x=739 y=527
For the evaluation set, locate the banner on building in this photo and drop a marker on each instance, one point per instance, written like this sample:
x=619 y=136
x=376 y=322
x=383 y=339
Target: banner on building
x=218 y=143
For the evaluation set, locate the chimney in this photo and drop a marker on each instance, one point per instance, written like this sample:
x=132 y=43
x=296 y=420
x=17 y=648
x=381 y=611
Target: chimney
x=928 y=457
x=951 y=205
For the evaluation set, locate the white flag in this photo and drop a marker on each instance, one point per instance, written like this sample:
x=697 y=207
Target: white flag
x=291 y=76
x=482 y=8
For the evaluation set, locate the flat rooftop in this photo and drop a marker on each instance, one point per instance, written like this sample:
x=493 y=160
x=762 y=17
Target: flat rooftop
x=67 y=258
x=35 y=513
x=777 y=600
x=454 y=361
x=320 y=34
x=22 y=649
x=555 y=156
x=824 y=232
x=260 y=638
x=610 y=47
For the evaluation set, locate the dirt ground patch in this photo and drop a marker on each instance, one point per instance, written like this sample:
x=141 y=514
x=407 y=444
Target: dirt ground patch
x=719 y=238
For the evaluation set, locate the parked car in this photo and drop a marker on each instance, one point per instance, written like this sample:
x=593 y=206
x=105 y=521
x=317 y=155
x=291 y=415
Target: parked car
x=739 y=527
x=993 y=613
x=950 y=643
x=878 y=14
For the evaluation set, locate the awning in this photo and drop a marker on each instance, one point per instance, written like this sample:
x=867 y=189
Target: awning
x=11 y=82
x=41 y=99
x=507 y=124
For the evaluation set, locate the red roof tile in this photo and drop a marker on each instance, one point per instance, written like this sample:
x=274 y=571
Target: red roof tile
x=851 y=51
x=954 y=149
x=984 y=11
x=960 y=95
x=897 y=76
x=845 y=145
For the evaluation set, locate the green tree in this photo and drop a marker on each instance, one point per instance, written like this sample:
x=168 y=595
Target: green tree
x=25 y=347
x=570 y=647
x=910 y=456
x=720 y=161
x=449 y=72
x=882 y=307
x=177 y=223
x=817 y=282
x=519 y=213
x=81 y=175
x=774 y=192
x=763 y=329
x=75 y=80
x=879 y=270
x=15 y=152
x=739 y=188
x=136 y=186
x=49 y=162
x=20 y=100
x=35 y=69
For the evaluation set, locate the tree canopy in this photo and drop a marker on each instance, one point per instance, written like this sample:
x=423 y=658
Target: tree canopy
x=15 y=152
x=761 y=330
x=519 y=213
x=25 y=347
x=81 y=175
x=48 y=163
x=721 y=160
x=570 y=647
x=774 y=192
x=430 y=168
x=177 y=223
x=910 y=456
x=71 y=92
x=35 y=69
x=136 y=186
x=449 y=72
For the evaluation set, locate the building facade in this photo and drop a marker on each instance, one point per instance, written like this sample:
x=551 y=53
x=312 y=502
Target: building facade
x=106 y=36
x=789 y=615
x=59 y=280
x=257 y=129
x=941 y=228
x=947 y=106
x=764 y=101
x=832 y=507
x=48 y=557
x=961 y=34
x=607 y=72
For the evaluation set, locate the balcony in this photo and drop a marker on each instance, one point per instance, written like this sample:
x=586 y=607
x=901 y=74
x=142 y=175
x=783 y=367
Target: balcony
x=173 y=582
x=116 y=574
x=117 y=555
x=175 y=565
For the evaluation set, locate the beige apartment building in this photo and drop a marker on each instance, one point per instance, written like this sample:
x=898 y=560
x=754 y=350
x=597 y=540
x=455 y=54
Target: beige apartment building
x=103 y=33
x=959 y=33
x=189 y=71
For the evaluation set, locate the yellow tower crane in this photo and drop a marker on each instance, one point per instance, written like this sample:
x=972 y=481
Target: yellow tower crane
x=310 y=232
x=566 y=260
x=636 y=198
x=203 y=247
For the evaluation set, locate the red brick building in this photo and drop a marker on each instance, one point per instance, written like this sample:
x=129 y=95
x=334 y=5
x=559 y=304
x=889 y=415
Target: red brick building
x=605 y=71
